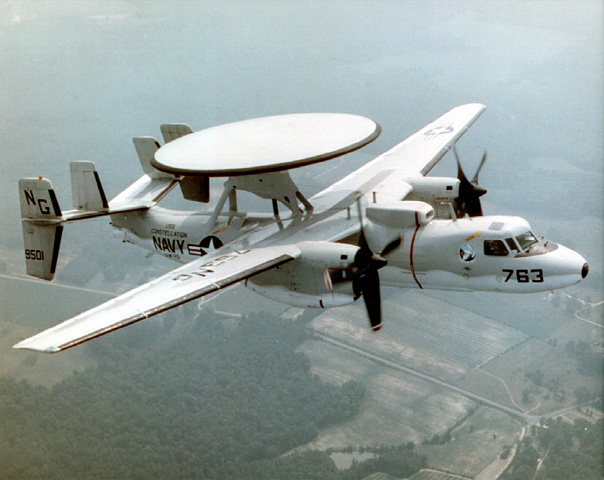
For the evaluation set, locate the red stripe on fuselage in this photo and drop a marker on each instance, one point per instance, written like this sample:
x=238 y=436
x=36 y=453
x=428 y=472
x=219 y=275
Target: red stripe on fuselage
x=417 y=225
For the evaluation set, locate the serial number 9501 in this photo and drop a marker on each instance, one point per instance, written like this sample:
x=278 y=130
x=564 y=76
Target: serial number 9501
x=34 y=254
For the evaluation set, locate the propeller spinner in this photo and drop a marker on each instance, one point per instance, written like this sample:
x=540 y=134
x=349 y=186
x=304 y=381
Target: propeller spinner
x=468 y=201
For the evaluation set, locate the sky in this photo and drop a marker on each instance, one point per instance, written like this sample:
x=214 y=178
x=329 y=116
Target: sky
x=79 y=79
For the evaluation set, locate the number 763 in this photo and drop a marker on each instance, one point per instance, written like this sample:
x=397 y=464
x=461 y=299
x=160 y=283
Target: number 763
x=525 y=276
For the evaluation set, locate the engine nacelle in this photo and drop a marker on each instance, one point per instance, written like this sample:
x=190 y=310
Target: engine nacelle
x=386 y=222
x=317 y=279
x=437 y=191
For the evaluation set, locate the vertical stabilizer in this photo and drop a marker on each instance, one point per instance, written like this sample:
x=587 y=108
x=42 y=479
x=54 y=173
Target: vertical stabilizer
x=145 y=149
x=38 y=200
x=86 y=189
x=42 y=226
x=172 y=131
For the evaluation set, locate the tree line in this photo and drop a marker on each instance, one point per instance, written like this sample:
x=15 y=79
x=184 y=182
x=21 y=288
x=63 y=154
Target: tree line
x=187 y=399
x=566 y=451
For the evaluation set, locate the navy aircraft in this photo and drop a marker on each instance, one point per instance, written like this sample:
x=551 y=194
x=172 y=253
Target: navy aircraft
x=386 y=223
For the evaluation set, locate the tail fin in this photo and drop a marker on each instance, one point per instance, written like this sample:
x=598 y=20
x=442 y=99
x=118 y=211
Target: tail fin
x=38 y=200
x=42 y=226
x=172 y=131
x=86 y=189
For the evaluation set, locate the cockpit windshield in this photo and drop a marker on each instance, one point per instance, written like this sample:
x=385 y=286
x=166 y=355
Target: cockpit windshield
x=525 y=240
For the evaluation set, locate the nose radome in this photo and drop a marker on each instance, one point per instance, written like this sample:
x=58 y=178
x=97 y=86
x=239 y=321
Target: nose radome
x=570 y=263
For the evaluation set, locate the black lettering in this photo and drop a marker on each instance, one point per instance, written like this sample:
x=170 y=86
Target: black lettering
x=180 y=244
x=34 y=254
x=167 y=245
x=29 y=196
x=538 y=278
x=509 y=272
x=44 y=210
x=522 y=276
x=157 y=243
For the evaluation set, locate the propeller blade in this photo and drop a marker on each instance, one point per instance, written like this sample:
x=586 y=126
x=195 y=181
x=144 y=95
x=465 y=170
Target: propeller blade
x=460 y=175
x=371 y=296
x=364 y=256
x=483 y=159
x=368 y=283
x=475 y=209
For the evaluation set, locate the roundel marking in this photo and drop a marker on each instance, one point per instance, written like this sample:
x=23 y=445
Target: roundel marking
x=467 y=252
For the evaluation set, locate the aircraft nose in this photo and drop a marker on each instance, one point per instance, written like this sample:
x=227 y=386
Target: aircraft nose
x=568 y=266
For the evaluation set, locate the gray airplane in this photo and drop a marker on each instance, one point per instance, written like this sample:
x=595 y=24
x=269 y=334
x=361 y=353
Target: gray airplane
x=386 y=223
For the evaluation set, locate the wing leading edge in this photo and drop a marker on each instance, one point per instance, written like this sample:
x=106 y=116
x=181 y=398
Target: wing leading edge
x=189 y=282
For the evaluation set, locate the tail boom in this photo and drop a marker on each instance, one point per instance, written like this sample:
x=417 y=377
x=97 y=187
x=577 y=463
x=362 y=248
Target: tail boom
x=42 y=218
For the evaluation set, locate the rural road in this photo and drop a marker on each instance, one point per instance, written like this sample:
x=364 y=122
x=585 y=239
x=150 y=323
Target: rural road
x=515 y=413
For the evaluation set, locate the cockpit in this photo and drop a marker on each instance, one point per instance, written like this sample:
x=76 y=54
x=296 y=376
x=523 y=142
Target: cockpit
x=505 y=242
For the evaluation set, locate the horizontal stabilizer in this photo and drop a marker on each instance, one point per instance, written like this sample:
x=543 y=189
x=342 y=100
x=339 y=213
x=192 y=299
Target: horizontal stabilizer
x=172 y=131
x=86 y=189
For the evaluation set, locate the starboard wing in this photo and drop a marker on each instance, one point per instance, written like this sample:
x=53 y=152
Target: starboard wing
x=189 y=282
x=415 y=156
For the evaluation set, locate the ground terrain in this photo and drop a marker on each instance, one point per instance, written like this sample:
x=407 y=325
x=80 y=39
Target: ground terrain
x=425 y=373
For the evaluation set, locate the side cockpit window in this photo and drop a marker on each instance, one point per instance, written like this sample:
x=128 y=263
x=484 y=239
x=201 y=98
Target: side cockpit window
x=512 y=245
x=495 y=248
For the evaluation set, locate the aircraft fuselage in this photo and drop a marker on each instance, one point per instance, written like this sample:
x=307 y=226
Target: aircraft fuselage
x=490 y=253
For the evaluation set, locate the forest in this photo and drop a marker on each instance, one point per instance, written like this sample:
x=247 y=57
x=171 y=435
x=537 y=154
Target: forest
x=558 y=450
x=178 y=398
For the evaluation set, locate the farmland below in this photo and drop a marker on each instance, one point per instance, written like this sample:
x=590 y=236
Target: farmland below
x=519 y=357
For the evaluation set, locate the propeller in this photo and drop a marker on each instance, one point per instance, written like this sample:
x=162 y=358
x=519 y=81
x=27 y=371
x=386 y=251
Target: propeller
x=367 y=283
x=470 y=192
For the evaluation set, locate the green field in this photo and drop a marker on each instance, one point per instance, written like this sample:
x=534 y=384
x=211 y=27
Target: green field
x=433 y=475
x=423 y=333
x=534 y=314
x=560 y=377
x=474 y=444
x=398 y=408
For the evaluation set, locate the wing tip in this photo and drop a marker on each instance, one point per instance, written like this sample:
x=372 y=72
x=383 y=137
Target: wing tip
x=26 y=345
x=480 y=107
